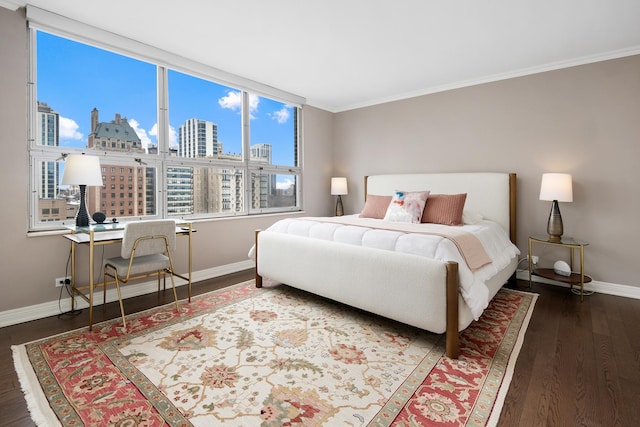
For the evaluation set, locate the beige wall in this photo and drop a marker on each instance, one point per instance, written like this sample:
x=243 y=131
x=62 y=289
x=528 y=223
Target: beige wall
x=30 y=264
x=583 y=120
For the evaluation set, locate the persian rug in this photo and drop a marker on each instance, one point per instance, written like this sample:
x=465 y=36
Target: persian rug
x=274 y=356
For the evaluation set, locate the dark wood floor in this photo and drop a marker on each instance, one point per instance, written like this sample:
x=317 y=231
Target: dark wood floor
x=579 y=364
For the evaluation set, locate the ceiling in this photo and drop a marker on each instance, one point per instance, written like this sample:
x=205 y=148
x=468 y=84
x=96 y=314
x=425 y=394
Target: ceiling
x=345 y=54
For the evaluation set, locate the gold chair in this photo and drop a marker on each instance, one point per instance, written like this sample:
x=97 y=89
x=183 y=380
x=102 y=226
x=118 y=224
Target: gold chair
x=146 y=251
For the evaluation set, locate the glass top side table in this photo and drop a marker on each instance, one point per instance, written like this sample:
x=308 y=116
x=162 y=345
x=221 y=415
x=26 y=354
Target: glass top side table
x=575 y=278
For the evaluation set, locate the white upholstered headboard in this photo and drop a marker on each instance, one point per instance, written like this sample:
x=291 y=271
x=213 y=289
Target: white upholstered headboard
x=491 y=194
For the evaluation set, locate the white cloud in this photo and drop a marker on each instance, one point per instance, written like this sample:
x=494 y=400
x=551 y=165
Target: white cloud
x=233 y=101
x=142 y=134
x=282 y=115
x=154 y=130
x=173 y=135
x=69 y=129
x=285 y=185
x=254 y=100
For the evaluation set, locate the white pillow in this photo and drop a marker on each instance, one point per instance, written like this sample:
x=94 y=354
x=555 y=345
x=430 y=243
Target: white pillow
x=406 y=206
x=471 y=217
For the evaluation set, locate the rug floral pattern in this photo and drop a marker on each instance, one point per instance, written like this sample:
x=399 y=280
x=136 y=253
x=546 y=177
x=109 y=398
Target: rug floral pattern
x=276 y=357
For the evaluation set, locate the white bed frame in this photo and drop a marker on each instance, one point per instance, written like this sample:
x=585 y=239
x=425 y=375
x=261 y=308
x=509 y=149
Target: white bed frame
x=404 y=287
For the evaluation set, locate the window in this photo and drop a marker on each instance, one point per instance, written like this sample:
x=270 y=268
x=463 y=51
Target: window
x=219 y=151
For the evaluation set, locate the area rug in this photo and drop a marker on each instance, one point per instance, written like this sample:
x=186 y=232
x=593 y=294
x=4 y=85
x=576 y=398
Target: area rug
x=273 y=356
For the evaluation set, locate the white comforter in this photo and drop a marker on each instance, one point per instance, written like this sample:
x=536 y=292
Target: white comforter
x=472 y=284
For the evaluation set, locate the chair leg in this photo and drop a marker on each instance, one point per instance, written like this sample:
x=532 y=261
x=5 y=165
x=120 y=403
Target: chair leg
x=124 y=322
x=175 y=294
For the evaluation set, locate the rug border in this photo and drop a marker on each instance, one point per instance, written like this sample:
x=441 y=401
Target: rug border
x=33 y=393
x=496 y=411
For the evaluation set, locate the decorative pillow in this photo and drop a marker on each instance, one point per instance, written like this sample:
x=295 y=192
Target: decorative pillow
x=375 y=206
x=406 y=206
x=444 y=209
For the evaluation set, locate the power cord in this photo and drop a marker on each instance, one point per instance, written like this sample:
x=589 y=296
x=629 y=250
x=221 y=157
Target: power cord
x=66 y=286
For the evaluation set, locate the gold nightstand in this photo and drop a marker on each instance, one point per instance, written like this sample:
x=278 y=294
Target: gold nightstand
x=576 y=279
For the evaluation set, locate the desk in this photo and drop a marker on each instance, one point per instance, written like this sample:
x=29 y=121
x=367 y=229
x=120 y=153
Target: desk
x=106 y=234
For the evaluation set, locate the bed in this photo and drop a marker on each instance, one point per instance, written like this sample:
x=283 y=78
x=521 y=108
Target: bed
x=436 y=294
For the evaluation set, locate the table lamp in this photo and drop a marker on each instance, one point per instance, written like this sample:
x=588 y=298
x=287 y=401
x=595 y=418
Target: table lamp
x=556 y=187
x=339 y=188
x=82 y=170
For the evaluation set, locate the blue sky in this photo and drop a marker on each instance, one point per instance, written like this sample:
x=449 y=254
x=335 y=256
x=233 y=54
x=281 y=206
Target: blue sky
x=74 y=79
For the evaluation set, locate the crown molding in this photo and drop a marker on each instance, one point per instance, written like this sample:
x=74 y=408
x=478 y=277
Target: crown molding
x=12 y=5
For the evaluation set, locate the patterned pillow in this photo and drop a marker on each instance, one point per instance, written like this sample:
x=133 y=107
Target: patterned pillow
x=375 y=206
x=406 y=206
x=444 y=209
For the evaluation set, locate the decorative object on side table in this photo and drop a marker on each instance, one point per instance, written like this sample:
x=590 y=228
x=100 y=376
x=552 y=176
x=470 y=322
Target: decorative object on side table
x=82 y=170
x=339 y=188
x=562 y=268
x=556 y=187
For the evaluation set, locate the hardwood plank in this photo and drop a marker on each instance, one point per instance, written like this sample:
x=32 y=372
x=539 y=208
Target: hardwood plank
x=579 y=363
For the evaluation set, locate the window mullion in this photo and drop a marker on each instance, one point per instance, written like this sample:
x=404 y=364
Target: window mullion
x=163 y=138
x=246 y=149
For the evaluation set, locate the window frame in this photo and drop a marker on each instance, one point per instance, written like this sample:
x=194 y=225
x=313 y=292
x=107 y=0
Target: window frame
x=40 y=20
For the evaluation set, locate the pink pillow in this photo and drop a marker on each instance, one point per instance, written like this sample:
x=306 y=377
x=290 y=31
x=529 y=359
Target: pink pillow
x=444 y=209
x=406 y=206
x=375 y=206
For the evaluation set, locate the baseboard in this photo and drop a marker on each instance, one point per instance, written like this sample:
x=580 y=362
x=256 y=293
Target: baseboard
x=52 y=308
x=594 y=286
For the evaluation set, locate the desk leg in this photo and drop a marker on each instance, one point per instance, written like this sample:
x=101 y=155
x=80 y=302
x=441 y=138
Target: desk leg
x=91 y=247
x=73 y=276
x=190 y=260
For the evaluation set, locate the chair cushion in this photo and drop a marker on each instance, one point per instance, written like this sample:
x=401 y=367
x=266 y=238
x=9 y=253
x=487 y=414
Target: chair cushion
x=141 y=265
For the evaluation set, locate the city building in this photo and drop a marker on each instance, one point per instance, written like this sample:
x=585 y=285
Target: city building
x=48 y=134
x=198 y=138
x=123 y=192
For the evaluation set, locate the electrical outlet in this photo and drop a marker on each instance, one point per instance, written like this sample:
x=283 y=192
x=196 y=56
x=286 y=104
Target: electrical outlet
x=534 y=259
x=61 y=281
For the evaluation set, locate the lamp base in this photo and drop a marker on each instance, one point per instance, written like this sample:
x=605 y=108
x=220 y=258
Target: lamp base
x=554 y=225
x=339 y=208
x=82 y=217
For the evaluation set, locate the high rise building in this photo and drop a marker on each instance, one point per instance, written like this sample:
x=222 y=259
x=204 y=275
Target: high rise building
x=51 y=206
x=264 y=186
x=48 y=134
x=198 y=138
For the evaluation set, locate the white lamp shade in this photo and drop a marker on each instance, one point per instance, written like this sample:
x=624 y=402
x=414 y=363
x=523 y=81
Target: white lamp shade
x=80 y=169
x=339 y=186
x=556 y=186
